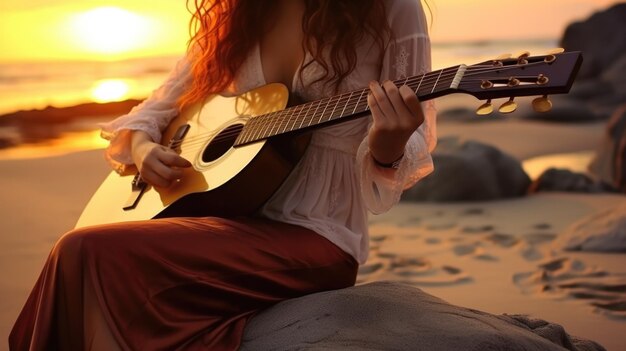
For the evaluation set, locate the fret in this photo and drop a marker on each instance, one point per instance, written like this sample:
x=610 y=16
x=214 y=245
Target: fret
x=318 y=106
x=277 y=122
x=334 y=108
x=259 y=126
x=268 y=125
x=293 y=117
x=244 y=137
x=419 y=85
x=359 y=100
x=322 y=114
x=437 y=81
x=346 y=104
x=298 y=123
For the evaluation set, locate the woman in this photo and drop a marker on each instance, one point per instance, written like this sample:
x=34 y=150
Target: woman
x=192 y=283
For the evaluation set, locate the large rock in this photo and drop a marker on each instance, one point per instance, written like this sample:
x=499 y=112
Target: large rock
x=603 y=231
x=609 y=164
x=566 y=110
x=555 y=179
x=470 y=171
x=395 y=316
x=602 y=38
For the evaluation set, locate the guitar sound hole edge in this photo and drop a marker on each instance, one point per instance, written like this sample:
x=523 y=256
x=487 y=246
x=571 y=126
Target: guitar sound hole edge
x=221 y=143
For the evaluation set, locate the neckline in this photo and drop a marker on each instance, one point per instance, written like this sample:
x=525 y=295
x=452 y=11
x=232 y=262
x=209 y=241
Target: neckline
x=261 y=74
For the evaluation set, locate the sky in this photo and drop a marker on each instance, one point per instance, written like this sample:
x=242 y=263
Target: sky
x=120 y=29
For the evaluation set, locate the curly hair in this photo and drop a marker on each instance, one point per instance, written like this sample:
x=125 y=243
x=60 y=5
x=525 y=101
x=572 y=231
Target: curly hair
x=224 y=31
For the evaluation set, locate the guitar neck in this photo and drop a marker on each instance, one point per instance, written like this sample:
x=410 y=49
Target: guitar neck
x=343 y=107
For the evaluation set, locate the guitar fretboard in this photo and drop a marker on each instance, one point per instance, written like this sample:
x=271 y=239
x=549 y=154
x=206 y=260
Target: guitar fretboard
x=342 y=107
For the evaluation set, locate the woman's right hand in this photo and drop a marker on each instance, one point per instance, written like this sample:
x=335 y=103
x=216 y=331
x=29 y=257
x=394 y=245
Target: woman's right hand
x=158 y=165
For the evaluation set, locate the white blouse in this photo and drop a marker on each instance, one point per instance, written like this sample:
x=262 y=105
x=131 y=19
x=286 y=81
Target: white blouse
x=336 y=182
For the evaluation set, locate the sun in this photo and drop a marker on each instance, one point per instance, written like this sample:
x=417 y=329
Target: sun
x=111 y=30
x=110 y=90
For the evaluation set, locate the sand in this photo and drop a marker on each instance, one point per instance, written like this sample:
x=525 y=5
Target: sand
x=492 y=256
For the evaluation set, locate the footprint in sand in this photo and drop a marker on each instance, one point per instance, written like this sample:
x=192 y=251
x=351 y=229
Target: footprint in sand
x=539 y=238
x=441 y=225
x=378 y=238
x=432 y=241
x=531 y=253
x=370 y=268
x=486 y=257
x=502 y=240
x=473 y=211
x=562 y=275
x=542 y=226
x=464 y=249
x=478 y=229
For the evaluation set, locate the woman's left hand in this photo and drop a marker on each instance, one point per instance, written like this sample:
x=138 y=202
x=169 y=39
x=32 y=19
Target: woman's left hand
x=396 y=114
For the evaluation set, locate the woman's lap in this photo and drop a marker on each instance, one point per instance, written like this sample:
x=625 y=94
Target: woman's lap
x=188 y=283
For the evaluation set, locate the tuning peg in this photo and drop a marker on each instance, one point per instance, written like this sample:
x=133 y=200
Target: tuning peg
x=555 y=51
x=485 y=108
x=521 y=57
x=508 y=106
x=542 y=104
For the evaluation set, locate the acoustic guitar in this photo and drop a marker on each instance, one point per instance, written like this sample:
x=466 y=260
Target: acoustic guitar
x=243 y=147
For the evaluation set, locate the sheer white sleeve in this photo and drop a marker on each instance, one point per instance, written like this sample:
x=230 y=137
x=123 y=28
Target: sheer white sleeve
x=407 y=55
x=152 y=116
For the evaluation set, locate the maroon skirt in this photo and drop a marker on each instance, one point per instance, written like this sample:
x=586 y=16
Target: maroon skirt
x=175 y=283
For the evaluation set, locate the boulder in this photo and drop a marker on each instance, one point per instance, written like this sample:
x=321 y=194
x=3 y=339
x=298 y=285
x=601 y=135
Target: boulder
x=554 y=179
x=396 y=316
x=602 y=39
x=602 y=231
x=609 y=164
x=470 y=171
x=565 y=109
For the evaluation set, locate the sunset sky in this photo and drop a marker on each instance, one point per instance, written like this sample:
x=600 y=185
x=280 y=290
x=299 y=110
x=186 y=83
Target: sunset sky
x=118 y=29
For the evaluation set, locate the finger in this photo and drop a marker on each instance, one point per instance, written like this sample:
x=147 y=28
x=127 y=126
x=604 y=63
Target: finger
x=165 y=171
x=410 y=100
x=377 y=114
x=172 y=159
x=152 y=178
x=381 y=99
x=403 y=113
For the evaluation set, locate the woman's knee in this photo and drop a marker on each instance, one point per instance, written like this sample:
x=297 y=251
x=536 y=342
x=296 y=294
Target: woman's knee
x=78 y=241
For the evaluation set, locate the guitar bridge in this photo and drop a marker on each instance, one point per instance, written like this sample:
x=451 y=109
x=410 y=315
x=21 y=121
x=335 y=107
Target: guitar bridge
x=138 y=189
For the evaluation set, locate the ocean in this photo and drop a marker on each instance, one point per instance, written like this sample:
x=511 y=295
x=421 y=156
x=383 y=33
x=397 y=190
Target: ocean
x=36 y=85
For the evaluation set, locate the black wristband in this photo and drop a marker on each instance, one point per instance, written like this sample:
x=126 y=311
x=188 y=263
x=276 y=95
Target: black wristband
x=394 y=165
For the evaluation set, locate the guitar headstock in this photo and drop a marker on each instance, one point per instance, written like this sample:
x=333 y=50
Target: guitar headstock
x=523 y=75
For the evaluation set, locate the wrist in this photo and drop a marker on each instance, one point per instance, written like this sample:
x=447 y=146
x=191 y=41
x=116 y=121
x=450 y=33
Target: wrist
x=392 y=165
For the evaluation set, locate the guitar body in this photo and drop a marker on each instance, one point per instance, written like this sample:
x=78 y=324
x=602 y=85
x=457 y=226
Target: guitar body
x=224 y=180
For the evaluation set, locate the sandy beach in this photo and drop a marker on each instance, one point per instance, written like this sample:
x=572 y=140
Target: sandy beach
x=481 y=255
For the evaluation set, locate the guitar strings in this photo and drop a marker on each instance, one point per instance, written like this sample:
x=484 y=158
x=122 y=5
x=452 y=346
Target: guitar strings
x=290 y=119
x=294 y=114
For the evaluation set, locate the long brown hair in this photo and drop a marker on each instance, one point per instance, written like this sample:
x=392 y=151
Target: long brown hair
x=224 y=31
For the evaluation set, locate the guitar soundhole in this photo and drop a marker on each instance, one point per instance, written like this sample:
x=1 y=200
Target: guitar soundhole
x=221 y=143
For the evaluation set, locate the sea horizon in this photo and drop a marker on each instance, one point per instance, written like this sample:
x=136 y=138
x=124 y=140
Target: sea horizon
x=32 y=85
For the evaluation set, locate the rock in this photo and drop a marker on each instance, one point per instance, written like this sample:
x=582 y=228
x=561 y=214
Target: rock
x=602 y=38
x=603 y=231
x=615 y=76
x=609 y=164
x=465 y=115
x=554 y=179
x=590 y=89
x=395 y=316
x=565 y=110
x=470 y=171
